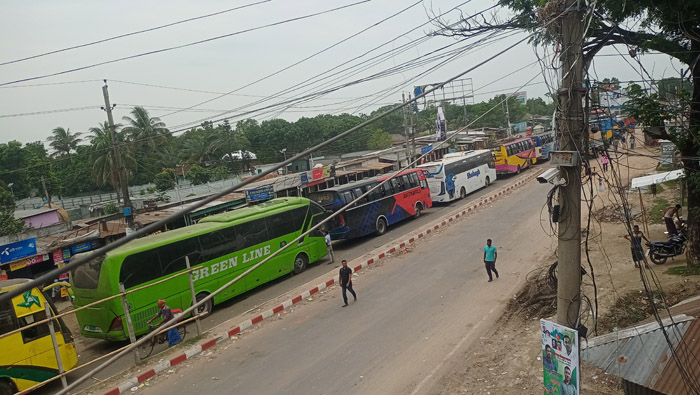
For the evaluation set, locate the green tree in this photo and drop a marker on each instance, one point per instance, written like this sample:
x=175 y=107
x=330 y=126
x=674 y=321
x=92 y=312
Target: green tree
x=144 y=130
x=671 y=27
x=8 y=224
x=63 y=141
x=104 y=167
x=379 y=140
x=165 y=180
x=198 y=175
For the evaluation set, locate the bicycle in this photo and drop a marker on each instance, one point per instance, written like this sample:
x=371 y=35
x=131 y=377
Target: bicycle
x=146 y=349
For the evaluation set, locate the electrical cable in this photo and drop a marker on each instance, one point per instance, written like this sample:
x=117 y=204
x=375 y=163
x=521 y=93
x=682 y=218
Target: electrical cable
x=167 y=49
x=132 y=33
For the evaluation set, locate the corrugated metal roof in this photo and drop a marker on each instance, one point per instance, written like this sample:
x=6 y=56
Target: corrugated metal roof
x=641 y=354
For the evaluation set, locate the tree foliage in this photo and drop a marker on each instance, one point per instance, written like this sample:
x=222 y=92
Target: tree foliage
x=165 y=180
x=379 y=140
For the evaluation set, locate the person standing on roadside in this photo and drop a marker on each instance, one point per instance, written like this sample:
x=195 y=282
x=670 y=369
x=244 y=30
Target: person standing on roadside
x=345 y=280
x=636 y=245
x=329 y=247
x=668 y=217
x=604 y=160
x=490 y=256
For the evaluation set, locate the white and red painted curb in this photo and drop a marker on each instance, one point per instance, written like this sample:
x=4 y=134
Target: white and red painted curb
x=197 y=349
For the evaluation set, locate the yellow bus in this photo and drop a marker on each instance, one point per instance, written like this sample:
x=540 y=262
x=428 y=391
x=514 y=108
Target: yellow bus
x=514 y=156
x=27 y=357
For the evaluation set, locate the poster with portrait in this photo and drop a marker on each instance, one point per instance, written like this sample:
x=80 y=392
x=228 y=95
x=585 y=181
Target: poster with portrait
x=560 y=362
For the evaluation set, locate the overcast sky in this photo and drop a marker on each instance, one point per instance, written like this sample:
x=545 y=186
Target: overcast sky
x=32 y=28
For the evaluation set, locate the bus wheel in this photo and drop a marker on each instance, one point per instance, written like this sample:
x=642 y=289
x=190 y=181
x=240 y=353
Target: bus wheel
x=381 y=226
x=205 y=308
x=419 y=210
x=462 y=193
x=6 y=387
x=487 y=182
x=300 y=263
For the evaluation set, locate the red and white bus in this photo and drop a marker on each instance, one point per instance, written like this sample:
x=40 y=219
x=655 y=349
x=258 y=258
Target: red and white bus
x=404 y=196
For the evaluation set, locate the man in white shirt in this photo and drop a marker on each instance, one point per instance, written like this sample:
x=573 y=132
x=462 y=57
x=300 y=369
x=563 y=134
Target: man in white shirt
x=329 y=247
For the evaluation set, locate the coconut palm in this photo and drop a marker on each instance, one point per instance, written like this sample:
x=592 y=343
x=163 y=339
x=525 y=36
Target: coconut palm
x=63 y=141
x=143 y=130
x=104 y=168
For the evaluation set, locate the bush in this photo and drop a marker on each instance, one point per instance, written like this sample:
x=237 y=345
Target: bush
x=110 y=208
x=165 y=180
x=198 y=175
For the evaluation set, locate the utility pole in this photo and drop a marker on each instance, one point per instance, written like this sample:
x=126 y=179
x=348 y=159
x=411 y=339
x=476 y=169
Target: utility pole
x=510 y=128
x=571 y=125
x=405 y=129
x=413 y=133
x=121 y=171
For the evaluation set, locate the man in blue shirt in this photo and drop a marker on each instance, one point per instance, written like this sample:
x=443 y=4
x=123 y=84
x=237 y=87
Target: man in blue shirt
x=490 y=256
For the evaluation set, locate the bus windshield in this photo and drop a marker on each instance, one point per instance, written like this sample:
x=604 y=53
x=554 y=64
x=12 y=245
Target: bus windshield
x=88 y=275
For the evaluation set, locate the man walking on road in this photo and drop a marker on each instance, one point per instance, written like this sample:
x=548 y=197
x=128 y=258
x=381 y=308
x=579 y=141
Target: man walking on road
x=345 y=280
x=329 y=247
x=490 y=256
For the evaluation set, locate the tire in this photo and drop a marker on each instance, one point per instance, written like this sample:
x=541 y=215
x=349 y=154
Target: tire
x=419 y=210
x=146 y=349
x=300 y=263
x=6 y=387
x=487 y=182
x=462 y=193
x=656 y=258
x=381 y=226
x=182 y=330
x=206 y=308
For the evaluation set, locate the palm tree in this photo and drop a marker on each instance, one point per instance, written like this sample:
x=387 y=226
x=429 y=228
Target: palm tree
x=104 y=168
x=142 y=130
x=63 y=141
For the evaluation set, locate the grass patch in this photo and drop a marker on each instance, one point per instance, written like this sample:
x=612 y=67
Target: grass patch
x=671 y=184
x=634 y=306
x=656 y=212
x=684 y=271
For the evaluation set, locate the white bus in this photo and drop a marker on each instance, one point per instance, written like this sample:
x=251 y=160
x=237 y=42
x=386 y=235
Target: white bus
x=458 y=174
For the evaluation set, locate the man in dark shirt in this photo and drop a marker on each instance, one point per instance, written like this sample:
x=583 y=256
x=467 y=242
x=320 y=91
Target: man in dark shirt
x=167 y=314
x=345 y=280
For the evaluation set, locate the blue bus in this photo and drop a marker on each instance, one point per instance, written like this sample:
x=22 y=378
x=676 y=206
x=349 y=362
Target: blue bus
x=404 y=196
x=544 y=143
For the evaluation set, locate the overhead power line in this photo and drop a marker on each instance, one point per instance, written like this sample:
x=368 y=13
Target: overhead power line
x=184 y=45
x=131 y=34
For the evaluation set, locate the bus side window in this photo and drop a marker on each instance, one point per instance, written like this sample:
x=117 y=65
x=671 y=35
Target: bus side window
x=172 y=256
x=358 y=192
x=395 y=185
x=387 y=189
x=413 y=179
x=280 y=224
x=314 y=221
x=35 y=332
x=140 y=268
x=8 y=320
x=252 y=233
x=347 y=197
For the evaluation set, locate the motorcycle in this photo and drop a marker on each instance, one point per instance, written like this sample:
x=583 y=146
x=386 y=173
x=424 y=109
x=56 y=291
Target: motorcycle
x=660 y=251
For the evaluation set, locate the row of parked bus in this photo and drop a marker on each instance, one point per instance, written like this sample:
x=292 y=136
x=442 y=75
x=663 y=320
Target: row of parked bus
x=223 y=246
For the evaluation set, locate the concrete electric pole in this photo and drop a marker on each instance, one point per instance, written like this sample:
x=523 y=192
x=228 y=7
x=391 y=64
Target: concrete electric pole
x=121 y=172
x=571 y=128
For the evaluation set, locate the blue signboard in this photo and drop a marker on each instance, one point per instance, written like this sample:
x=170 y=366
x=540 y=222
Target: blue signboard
x=259 y=194
x=427 y=149
x=82 y=247
x=17 y=250
x=304 y=179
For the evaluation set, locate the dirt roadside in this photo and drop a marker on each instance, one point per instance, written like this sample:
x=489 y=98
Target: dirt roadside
x=508 y=360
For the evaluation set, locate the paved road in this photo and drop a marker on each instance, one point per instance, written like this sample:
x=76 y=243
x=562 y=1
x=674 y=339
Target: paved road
x=351 y=249
x=414 y=314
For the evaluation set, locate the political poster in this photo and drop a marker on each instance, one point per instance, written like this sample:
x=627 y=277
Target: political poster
x=560 y=359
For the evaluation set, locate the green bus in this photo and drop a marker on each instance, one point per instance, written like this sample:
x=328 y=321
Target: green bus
x=220 y=247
